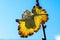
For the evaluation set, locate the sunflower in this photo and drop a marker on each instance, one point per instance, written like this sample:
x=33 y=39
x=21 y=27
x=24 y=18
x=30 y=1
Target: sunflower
x=28 y=27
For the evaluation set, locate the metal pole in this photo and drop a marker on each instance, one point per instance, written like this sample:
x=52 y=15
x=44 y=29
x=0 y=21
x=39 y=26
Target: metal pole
x=44 y=32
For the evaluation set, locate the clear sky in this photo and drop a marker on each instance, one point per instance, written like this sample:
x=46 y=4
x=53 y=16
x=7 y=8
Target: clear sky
x=10 y=10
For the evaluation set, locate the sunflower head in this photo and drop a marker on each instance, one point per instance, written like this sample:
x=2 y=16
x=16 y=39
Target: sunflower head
x=27 y=27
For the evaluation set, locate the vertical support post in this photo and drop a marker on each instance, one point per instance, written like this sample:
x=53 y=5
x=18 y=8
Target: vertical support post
x=43 y=27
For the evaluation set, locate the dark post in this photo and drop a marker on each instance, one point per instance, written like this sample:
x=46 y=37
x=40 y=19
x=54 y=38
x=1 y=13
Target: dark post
x=44 y=32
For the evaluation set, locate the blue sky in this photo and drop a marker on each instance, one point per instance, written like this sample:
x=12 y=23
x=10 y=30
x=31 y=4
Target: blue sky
x=10 y=10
